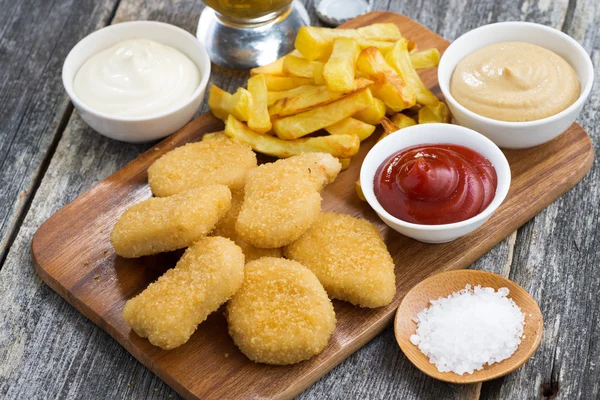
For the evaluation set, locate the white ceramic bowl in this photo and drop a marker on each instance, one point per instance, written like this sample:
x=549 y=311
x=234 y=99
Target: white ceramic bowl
x=137 y=129
x=434 y=134
x=517 y=135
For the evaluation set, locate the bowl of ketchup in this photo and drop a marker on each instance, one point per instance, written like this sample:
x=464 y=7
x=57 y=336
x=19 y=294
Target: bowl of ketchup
x=435 y=182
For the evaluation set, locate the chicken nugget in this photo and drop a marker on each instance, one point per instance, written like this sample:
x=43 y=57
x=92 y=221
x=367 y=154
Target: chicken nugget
x=226 y=228
x=350 y=259
x=219 y=160
x=169 y=310
x=281 y=314
x=169 y=223
x=282 y=199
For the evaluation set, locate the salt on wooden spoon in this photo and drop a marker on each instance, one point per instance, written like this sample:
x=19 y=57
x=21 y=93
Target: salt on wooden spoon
x=443 y=285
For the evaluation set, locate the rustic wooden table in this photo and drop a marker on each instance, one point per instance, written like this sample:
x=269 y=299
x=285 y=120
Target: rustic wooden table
x=48 y=156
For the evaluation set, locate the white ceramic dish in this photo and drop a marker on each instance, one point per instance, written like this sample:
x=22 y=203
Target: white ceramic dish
x=517 y=135
x=137 y=129
x=434 y=134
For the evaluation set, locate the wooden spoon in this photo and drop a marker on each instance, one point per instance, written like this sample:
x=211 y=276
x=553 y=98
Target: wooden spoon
x=442 y=285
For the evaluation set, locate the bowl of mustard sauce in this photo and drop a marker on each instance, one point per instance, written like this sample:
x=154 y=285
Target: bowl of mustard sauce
x=518 y=83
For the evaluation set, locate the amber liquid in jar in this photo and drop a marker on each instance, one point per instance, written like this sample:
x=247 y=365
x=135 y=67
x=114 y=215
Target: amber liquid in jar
x=245 y=11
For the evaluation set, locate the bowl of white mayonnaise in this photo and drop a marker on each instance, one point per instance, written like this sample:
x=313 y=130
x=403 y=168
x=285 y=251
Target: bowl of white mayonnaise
x=518 y=83
x=137 y=81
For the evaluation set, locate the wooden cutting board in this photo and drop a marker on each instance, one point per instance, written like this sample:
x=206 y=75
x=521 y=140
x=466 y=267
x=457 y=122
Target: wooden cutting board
x=72 y=254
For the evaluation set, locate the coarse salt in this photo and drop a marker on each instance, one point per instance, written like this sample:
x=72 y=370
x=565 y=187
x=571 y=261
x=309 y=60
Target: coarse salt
x=468 y=329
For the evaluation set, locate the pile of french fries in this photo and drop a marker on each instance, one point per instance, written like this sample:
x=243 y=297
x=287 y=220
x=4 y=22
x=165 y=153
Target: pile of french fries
x=329 y=94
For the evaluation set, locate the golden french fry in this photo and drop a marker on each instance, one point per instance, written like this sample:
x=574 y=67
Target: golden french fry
x=272 y=97
x=412 y=46
x=345 y=163
x=351 y=126
x=223 y=103
x=425 y=59
x=295 y=126
x=382 y=31
x=274 y=68
x=399 y=59
x=388 y=127
x=398 y=121
x=278 y=83
x=298 y=66
x=317 y=43
x=402 y=120
x=259 y=117
x=388 y=86
x=433 y=114
x=341 y=146
x=339 y=69
x=358 y=189
x=373 y=114
x=214 y=135
x=311 y=97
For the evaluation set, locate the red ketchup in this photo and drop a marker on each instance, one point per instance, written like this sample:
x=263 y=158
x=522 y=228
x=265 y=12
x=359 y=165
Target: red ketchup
x=435 y=184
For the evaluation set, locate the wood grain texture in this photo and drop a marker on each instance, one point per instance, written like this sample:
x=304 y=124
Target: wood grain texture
x=90 y=276
x=35 y=38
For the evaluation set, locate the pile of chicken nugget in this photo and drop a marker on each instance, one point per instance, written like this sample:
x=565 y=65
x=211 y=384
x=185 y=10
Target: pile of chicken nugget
x=257 y=240
x=255 y=236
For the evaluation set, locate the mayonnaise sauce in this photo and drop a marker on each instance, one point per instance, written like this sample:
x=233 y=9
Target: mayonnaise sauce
x=136 y=78
x=514 y=81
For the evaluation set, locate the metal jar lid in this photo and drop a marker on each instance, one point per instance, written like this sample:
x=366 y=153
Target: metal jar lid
x=336 y=12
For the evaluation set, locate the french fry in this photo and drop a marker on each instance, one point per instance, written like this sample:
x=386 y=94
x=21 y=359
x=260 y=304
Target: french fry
x=434 y=114
x=222 y=103
x=351 y=126
x=298 y=66
x=388 y=86
x=340 y=146
x=398 y=121
x=278 y=83
x=295 y=126
x=317 y=43
x=388 y=127
x=214 y=135
x=412 y=46
x=358 y=189
x=259 y=116
x=382 y=31
x=339 y=69
x=272 y=97
x=402 y=120
x=373 y=114
x=429 y=58
x=345 y=162
x=399 y=59
x=312 y=97
x=274 y=68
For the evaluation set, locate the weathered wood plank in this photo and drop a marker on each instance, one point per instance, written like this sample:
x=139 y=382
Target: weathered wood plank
x=35 y=37
x=557 y=259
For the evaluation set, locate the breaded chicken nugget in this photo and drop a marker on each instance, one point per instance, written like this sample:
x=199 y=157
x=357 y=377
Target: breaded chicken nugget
x=226 y=228
x=169 y=223
x=282 y=199
x=281 y=314
x=170 y=309
x=220 y=160
x=350 y=259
